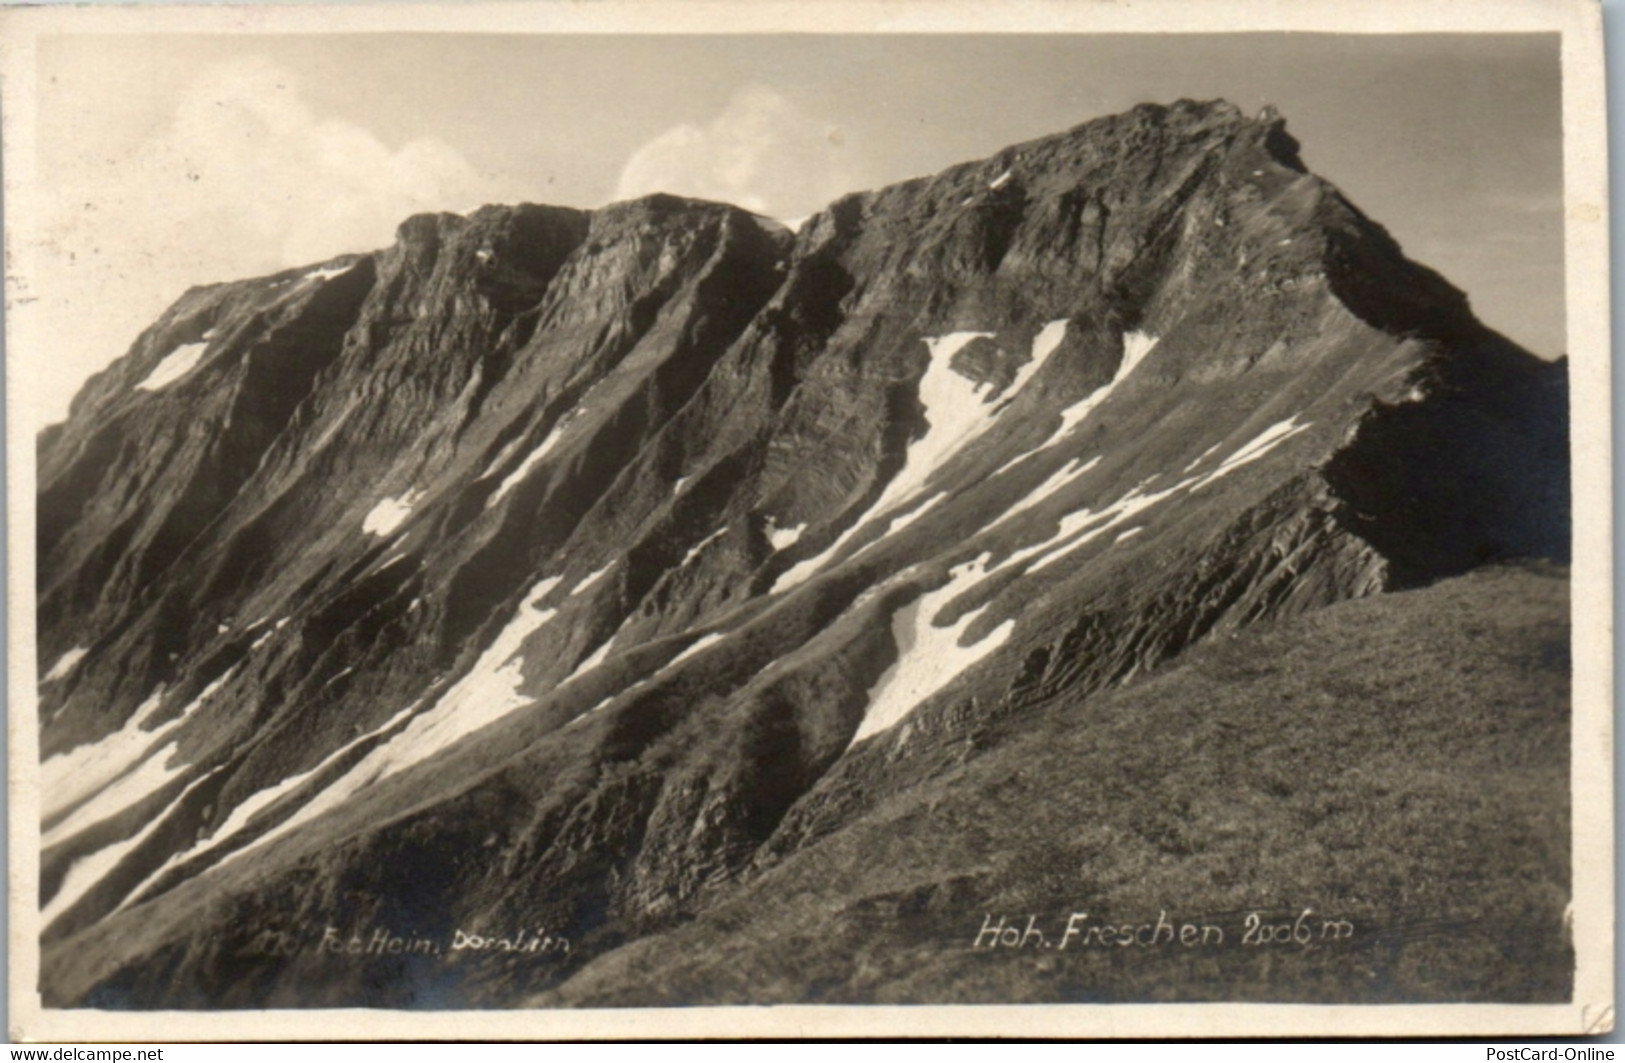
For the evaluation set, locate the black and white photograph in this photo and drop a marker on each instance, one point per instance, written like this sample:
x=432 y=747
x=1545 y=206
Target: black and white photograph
x=591 y=515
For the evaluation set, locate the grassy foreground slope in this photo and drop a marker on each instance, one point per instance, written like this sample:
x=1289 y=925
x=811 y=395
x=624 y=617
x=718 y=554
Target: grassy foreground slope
x=1397 y=765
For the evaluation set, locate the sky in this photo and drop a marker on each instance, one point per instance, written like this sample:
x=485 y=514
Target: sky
x=179 y=160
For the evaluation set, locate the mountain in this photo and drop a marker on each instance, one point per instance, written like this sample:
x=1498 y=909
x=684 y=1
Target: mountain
x=452 y=625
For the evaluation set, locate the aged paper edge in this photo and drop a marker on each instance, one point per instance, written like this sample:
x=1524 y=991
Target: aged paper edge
x=1586 y=256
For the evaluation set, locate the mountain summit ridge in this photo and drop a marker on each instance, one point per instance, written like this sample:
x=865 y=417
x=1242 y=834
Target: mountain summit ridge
x=565 y=568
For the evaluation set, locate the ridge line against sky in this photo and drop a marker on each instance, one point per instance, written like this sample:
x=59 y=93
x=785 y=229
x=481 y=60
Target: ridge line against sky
x=182 y=160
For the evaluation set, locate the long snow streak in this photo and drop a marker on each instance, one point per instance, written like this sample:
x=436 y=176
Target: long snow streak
x=326 y=273
x=65 y=664
x=115 y=773
x=488 y=692
x=501 y=459
x=244 y=813
x=1068 y=474
x=803 y=570
x=1082 y=528
x=1203 y=456
x=928 y=657
x=515 y=478
x=598 y=657
x=176 y=364
x=1044 y=344
x=957 y=411
x=699 y=548
x=87 y=871
x=68 y=778
x=1085 y=525
x=1262 y=444
x=898 y=523
x=699 y=644
x=1136 y=345
x=593 y=577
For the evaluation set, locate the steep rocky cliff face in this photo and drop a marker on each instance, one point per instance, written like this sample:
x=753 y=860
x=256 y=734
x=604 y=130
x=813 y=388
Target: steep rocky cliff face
x=557 y=573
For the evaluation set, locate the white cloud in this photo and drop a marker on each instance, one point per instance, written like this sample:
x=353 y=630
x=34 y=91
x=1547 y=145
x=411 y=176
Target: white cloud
x=245 y=178
x=762 y=152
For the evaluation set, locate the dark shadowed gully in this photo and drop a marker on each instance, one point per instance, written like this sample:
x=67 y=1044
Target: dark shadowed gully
x=937 y=603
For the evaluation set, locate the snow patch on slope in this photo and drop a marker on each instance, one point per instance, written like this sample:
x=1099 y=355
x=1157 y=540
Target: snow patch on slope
x=957 y=411
x=326 y=273
x=501 y=459
x=1045 y=344
x=784 y=538
x=65 y=664
x=1256 y=448
x=699 y=644
x=598 y=657
x=261 y=799
x=515 y=478
x=928 y=657
x=487 y=693
x=176 y=364
x=698 y=548
x=1068 y=474
x=67 y=778
x=116 y=773
x=1077 y=529
x=390 y=513
x=1203 y=456
x=593 y=577
x=800 y=572
x=897 y=524
x=1136 y=345
x=85 y=872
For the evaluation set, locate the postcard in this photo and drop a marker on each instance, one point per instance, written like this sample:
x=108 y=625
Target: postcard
x=725 y=520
